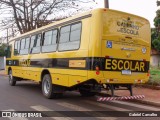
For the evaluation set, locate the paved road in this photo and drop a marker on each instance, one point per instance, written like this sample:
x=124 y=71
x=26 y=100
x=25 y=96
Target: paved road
x=27 y=96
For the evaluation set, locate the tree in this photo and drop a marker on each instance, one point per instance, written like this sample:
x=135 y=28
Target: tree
x=155 y=36
x=26 y=15
x=2 y=49
x=158 y=3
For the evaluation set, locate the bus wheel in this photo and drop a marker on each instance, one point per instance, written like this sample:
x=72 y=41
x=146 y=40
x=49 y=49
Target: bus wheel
x=48 y=88
x=87 y=93
x=12 y=79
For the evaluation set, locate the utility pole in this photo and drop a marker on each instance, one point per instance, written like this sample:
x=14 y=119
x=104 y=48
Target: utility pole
x=106 y=3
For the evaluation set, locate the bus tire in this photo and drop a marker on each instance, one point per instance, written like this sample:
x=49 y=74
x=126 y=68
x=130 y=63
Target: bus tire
x=12 y=79
x=48 y=87
x=87 y=93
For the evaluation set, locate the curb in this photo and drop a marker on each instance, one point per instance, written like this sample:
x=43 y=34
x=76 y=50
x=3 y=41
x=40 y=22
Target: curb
x=149 y=86
x=146 y=102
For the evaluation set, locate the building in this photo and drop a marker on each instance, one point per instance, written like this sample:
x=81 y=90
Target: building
x=2 y=63
x=155 y=58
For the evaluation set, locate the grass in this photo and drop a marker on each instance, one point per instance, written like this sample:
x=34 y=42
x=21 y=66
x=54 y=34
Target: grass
x=154 y=76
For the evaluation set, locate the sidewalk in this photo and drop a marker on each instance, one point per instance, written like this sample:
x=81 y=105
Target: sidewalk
x=152 y=96
x=2 y=73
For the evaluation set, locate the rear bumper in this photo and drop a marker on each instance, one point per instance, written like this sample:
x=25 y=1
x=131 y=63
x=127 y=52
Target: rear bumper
x=123 y=81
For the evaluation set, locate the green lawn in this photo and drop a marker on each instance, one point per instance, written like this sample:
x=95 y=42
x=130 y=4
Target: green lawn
x=154 y=76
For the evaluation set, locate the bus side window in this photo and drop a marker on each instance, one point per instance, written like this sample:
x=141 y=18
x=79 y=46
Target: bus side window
x=24 y=46
x=70 y=37
x=49 y=43
x=27 y=43
x=16 y=47
x=35 y=45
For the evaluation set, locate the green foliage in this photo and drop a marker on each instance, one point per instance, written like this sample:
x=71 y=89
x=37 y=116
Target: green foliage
x=157 y=21
x=158 y=3
x=153 y=37
x=156 y=44
x=2 y=50
x=155 y=32
x=155 y=76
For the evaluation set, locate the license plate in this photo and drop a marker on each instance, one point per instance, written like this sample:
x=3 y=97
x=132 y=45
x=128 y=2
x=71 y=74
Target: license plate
x=126 y=72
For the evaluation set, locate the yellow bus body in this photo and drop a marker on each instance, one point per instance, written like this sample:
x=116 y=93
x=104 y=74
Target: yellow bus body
x=114 y=49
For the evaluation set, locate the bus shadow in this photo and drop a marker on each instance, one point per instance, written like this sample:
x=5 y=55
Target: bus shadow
x=35 y=88
x=30 y=86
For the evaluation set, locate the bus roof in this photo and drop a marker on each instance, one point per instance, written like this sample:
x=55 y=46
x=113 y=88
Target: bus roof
x=43 y=28
x=51 y=24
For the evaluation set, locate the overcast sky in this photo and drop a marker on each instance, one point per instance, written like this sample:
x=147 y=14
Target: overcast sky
x=144 y=8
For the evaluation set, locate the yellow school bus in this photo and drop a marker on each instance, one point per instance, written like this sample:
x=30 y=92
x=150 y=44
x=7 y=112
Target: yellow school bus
x=100 y=48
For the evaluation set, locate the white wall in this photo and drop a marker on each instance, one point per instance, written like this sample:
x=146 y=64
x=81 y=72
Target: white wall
x=2 y=63
x=155 y=60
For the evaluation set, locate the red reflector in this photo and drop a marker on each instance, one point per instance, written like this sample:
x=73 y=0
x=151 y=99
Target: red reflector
x=97 y=72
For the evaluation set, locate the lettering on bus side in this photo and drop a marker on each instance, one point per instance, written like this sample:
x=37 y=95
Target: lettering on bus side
x=24 y=62
x=119 y=65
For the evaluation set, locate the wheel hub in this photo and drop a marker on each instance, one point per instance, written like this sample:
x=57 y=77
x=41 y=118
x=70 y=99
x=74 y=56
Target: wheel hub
x=46 y=86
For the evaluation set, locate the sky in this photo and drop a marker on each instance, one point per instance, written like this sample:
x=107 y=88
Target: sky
x=143 y=8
